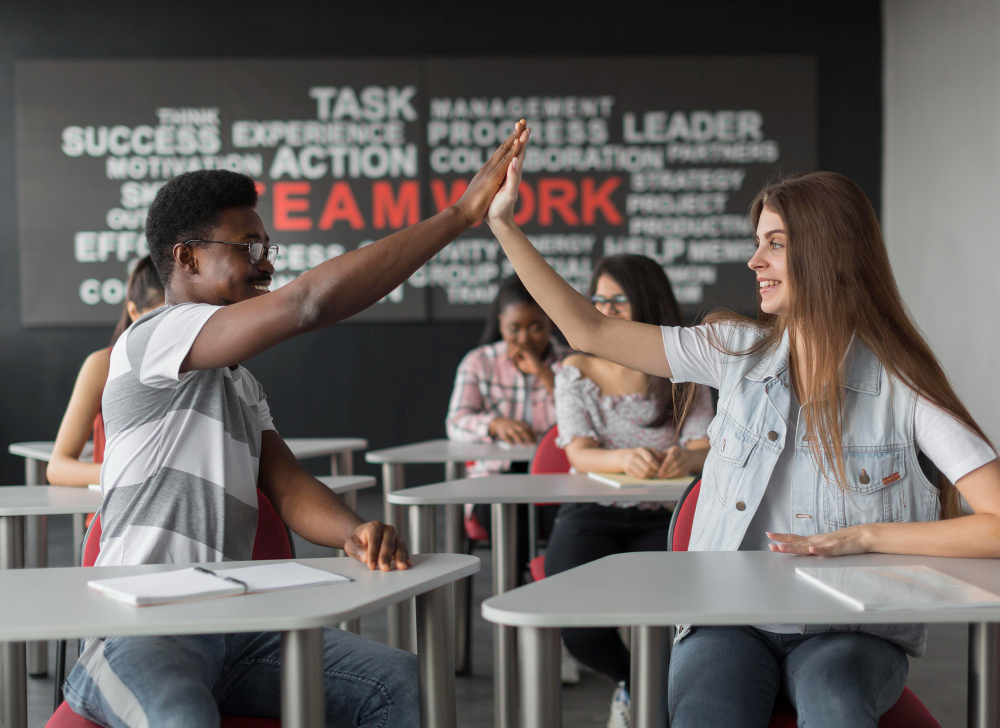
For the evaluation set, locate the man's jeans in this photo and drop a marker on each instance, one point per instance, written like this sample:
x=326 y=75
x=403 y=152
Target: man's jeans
x=185 y=681
x=731 y=676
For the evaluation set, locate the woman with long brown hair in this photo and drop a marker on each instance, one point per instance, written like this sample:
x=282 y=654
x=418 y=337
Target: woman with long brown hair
x=832 y=383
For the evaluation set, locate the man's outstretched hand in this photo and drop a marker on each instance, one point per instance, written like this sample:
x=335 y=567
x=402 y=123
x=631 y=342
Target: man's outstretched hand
x=484 y=186
x=377 y=545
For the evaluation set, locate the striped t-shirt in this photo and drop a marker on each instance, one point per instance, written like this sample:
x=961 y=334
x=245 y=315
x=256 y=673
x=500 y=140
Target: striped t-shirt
x=180 y=466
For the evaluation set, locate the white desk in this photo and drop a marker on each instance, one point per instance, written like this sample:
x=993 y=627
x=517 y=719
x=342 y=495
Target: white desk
x=454 y=456
x=56 y=604
x=653 y=591
x=504 y=493
x=38 y=453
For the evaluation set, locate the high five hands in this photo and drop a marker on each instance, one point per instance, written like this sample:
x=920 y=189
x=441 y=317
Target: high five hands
x=482 y=190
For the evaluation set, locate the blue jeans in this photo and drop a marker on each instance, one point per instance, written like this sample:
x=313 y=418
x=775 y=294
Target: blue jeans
x=731 y=676
x=186 y=681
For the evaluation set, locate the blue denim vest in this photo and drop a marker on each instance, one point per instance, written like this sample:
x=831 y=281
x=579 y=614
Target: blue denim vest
x=885 y=481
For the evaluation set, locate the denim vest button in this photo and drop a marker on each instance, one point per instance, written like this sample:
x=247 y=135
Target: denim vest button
x=865 y=480
x=741 y=506
x=772 y=436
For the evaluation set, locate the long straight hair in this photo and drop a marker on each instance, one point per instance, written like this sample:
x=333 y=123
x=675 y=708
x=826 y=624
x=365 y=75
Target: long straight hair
x=143 y=289
x=652 y=301
x=841 y=284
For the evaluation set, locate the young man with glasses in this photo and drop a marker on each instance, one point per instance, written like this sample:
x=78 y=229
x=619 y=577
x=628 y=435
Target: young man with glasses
x=190 y=440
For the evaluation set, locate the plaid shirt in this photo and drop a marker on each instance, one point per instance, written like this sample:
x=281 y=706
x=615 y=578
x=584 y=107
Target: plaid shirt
x=488 y=385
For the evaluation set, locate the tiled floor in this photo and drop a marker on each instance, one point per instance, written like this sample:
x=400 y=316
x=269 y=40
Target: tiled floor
x=939 y=678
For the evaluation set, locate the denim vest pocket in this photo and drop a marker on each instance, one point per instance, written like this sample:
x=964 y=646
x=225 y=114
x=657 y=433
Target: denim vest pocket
x=875 y=493
x=731 y=450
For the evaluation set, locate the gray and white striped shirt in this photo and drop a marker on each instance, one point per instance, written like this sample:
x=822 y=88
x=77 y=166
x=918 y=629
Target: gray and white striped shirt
x=181 y=461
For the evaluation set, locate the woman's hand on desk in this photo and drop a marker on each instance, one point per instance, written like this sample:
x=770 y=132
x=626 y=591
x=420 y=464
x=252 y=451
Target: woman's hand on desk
x=378 y=545
x=641 y=462
x=843 y=542
x=513 y=431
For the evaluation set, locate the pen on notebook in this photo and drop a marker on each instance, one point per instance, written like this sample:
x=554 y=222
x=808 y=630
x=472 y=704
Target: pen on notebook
x=246 y=587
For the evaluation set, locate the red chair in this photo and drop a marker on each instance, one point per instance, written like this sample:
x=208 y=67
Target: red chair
x=272 y=541
x=548 y=458
x=908 y=712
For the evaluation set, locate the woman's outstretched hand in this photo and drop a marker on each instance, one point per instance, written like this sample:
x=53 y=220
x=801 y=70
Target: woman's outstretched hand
x=491 y=178
x=843 y=542
x=502 y=208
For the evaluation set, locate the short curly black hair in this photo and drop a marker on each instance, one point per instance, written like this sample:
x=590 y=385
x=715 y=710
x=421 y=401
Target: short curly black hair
x=188 y=206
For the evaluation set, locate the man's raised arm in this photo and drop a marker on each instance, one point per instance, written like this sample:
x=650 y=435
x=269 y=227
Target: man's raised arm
x=343 y=286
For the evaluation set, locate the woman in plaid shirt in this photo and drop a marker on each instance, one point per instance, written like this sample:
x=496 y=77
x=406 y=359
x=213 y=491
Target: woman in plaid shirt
x=504 y=387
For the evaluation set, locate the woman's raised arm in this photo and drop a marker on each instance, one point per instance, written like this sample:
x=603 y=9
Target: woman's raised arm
x=634 y=345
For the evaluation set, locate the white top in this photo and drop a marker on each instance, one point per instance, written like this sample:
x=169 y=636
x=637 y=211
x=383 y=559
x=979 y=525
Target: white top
x=953 y=448
x=56 y=603
x=183 y=448
x=720 y=588
x=346 y=483
x=449 y=451
x=549 y=488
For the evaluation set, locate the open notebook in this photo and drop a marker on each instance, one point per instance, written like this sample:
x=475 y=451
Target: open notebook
x=620 y=480
x=187 y=585
x=897 y=587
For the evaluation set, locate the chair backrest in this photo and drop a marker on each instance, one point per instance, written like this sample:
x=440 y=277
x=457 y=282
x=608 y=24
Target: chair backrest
x=683 y=519
x=100 y=438
x=272 y=540
x=549 y=457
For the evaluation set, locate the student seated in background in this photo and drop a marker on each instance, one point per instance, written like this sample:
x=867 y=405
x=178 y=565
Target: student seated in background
x=830 y=395
x=83 y=419
x=617 y=420
x=503 y=391
x=190 y=440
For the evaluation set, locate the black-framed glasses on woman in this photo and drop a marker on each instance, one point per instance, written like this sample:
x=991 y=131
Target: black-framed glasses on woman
x=617 y=302
x=255 y=251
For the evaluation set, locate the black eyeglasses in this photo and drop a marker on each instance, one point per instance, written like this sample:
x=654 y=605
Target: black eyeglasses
x=617 y=302
x=255 y=251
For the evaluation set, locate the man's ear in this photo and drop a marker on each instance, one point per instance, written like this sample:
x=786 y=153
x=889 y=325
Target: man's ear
x=133 y=310
x=185 y=258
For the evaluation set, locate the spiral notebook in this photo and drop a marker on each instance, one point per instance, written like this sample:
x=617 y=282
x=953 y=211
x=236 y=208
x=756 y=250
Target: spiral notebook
x=897 y=587
x=187 y=585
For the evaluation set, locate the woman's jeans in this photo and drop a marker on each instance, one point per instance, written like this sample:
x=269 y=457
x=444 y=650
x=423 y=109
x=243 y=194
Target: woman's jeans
x=585 y=532
x=732 y=676
x=185 y=681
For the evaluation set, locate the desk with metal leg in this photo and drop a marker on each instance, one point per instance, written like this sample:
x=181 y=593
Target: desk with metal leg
x=504 y=493
x=716 y=588
x=454 y=456
x=56 y=604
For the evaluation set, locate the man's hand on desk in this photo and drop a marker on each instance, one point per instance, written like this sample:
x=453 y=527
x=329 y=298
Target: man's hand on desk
x=378 y=545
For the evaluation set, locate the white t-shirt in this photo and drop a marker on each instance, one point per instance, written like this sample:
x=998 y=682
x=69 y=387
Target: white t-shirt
x=183 y=449
x=953 y=448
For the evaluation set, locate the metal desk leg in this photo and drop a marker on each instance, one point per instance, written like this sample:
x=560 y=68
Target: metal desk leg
x=984 y=675
x=13 y=678
x=397 y=615
x=505 y=710
x=79 y=531
x=342 y=463
x=303 y=694
x=436 y=655
x=456 y=543
x=351 y=625
x=650 y=656
x=36 y=532
x=422 y=529
x=538 y=655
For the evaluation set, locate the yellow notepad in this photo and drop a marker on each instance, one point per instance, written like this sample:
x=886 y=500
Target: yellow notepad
x=620 y=480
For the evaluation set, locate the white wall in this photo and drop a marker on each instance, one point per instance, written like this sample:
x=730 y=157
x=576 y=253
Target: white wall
x=941 y=184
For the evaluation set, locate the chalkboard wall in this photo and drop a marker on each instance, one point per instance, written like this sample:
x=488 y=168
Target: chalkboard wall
x=390 y=382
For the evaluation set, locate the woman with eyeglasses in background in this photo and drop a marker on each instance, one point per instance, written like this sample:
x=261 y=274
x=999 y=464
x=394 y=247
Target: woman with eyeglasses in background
x=618 y=420
x=83 y=419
